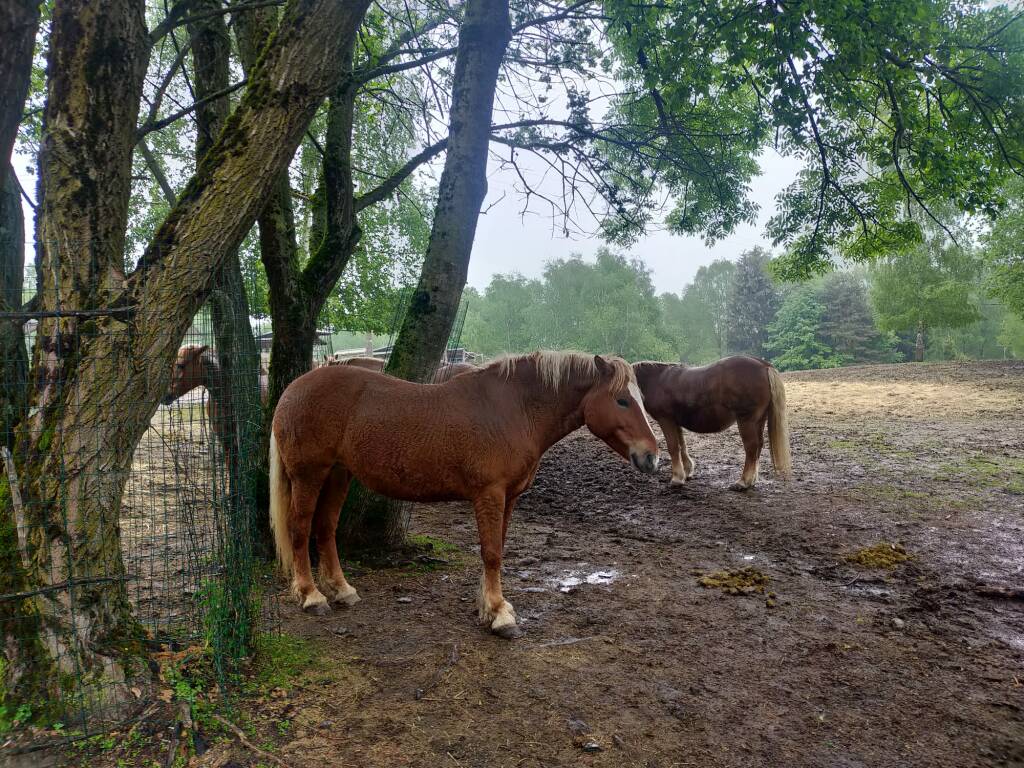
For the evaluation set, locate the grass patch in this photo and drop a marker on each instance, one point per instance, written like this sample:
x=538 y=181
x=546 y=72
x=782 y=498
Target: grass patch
x=988 y=471
x=280 y=660
x=744 y=581
x=1016 y=487
x=419 y=553
x=434 y=549
x=884 y=555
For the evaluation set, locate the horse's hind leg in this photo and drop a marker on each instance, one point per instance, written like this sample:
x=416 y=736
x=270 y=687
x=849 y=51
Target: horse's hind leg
x=495 y=610
x=325 y=525
x=752 y=433
x=303 y=507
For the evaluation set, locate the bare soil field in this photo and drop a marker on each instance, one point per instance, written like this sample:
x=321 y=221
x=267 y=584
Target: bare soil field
x=810 y=658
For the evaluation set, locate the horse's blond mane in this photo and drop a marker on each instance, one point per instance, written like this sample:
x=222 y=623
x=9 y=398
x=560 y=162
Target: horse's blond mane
x=556 y=367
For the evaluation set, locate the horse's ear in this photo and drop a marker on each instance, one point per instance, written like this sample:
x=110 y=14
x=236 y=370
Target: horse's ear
x=200 y=350
x=603 y=366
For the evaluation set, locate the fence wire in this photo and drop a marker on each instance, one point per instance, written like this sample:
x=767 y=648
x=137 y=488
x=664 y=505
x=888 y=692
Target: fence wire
x=174 y=546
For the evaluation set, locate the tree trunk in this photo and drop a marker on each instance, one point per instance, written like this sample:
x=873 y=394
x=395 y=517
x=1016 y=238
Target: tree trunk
x=369 y=520
x=20 y=20
x=13 y=356
x=483 y=37
x=104 y=377
x=229 y=305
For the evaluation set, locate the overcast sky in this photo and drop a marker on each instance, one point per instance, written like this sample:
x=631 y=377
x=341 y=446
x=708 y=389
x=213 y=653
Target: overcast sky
x=509 y=242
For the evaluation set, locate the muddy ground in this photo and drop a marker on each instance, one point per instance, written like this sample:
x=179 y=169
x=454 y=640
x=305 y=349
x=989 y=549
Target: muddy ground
x=833 y=665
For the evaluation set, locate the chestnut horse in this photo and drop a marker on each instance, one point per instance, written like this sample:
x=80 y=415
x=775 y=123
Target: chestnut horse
x=370 y=363
x=197 y=366
x=740 y=390
x=451 y=370
x=478 y=437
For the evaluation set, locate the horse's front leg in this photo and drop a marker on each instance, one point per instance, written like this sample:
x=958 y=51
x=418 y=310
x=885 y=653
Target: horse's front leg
x=490 y=522
x=673 y=434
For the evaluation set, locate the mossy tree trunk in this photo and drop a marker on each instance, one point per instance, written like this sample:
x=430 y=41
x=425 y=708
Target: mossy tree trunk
x=103 y=377
x=371 y=522
x=229 y=305
x=20 y=21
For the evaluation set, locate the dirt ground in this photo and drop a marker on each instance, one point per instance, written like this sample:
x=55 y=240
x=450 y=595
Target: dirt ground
x=628 y=660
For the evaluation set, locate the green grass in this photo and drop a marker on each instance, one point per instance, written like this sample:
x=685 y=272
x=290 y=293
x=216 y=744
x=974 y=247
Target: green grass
x=1000 y=472
x=280 y=661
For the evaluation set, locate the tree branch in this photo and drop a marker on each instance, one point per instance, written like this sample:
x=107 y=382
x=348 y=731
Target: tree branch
x=158 y=173
x=148 y=127
x=393 y=182
x=176 y=17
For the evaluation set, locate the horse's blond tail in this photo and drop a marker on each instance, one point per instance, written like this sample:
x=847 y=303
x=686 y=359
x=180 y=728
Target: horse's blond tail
x=778 y=426
x=280 y=501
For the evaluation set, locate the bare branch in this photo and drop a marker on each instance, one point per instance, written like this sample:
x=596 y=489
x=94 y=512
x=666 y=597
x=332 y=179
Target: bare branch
x=149 y=127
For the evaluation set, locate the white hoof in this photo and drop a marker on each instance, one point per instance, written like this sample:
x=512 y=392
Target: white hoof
x=316 y=604
x=677 y=480
x=347 y=596
x=504 y=624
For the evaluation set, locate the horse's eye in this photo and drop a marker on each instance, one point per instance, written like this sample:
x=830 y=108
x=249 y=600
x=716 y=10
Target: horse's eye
x=623 y=402
x=180 y=366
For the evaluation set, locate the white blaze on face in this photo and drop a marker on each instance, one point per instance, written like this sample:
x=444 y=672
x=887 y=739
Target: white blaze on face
x=634 y=390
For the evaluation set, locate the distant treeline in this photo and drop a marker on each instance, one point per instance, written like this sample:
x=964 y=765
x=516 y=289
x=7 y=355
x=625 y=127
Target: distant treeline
x=864 y=315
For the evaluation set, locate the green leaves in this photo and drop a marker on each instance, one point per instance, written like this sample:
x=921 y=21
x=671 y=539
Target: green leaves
x=1004 y=252
x=889 y=104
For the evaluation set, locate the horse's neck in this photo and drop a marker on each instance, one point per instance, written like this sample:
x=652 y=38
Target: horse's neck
x=213 y=379
x=553 y=412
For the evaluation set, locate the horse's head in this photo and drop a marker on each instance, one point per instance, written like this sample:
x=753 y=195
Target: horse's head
x=187 y=373
x=613 y=410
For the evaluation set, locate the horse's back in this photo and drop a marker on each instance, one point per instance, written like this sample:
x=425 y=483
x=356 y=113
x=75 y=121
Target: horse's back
x=712 y=397
x=405 y=440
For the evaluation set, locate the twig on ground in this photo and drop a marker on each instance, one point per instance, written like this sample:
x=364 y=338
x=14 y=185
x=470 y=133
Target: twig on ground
x=240 y=735
x=452 y=660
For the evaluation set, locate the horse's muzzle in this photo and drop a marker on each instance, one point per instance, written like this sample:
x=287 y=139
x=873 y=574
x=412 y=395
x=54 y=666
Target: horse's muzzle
x=646 y=462
x=167 y=399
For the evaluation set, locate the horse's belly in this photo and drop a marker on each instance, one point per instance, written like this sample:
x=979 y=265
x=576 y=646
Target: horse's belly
x=407 y=478
x=706 y=420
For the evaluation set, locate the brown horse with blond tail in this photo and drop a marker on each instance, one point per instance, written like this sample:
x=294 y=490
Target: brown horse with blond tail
x=479 y=437
x=741 y=390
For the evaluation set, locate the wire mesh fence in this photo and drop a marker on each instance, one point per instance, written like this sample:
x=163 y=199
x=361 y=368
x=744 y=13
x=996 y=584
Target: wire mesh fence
x=112 y=551
x=128 y=530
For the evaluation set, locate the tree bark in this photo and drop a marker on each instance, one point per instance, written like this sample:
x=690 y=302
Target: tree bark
x=229 y=306
x=29 y=675
x=19 y=19
x=104 y=377
x=370 y=521
x=483 y=38
x=13 y=356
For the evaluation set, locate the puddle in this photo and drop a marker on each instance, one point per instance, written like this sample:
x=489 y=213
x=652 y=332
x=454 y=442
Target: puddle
x=571 y=579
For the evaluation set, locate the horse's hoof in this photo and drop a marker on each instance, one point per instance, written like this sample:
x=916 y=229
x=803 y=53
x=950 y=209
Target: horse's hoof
x=740 y=487
x=677 y=481
x=347 y=600
x=317 y=609
x=507 y=631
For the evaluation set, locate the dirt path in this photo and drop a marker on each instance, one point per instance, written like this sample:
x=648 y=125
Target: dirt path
x=645 y=667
